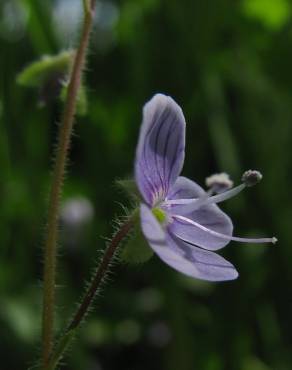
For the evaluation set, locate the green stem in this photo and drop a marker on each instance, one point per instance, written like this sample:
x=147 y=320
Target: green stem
x=50 y=248
x=90 y=294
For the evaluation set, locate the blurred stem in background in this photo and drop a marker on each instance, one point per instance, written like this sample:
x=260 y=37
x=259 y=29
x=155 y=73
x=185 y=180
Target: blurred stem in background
x=57 y=182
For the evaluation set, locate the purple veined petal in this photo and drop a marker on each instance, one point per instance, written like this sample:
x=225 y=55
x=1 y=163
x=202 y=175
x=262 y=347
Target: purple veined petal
x=186 y=259
x=183 y=190
x=160 y=150
x=225 y=237
x=209 y=216
x=201 y=264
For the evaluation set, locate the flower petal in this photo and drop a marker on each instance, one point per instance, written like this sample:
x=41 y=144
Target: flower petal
x=209 y=216
x=186 y=259
x=200 y=263
x=160 y=150
x=184 y=188
x=151 y=228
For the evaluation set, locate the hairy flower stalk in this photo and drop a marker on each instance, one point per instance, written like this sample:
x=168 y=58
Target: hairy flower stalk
x=94 y=286
x=50 y=248
x=181 y=222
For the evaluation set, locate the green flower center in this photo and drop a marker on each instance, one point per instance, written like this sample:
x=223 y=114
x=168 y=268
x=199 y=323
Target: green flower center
x=159 y=215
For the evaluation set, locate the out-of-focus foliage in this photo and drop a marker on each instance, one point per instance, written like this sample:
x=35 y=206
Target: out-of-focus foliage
x=228 y=64
x=273 y=14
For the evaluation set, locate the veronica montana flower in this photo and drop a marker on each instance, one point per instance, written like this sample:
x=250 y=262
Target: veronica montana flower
x=181 y=222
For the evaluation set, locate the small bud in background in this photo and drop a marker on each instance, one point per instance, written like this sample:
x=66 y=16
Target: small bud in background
x=251 y=177
x=219 y=182
x=39 y=71
x=50 y=75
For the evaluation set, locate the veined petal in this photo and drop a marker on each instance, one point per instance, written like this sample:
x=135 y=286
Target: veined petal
x=209 y=216
x=216 y=234
x=186 y=259
x=199 y=263
x=160 y=150
x=185 y=189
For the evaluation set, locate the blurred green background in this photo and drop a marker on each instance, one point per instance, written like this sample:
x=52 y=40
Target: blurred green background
x=228 y=64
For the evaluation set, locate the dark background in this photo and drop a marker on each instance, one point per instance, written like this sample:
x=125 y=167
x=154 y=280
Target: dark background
x=228 y=64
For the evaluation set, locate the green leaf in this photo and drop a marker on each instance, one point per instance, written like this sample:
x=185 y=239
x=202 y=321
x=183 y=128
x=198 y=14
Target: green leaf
x=20 y=317
x=38 y=72
x=272 y=14
x=137 y=249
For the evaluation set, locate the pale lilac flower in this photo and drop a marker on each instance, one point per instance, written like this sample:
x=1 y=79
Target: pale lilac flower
x=181 y=222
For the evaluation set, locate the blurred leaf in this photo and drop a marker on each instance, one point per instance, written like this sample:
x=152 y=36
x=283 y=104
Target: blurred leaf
x=254 y=363
x=132 y=12
x=128 y=331
x=274 y=14
x=220 y=131
x=21 y=317
x=39 y=25
x=97 y=332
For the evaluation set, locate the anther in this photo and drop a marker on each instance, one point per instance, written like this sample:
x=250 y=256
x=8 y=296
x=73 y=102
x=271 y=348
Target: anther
x=219 y=182
x=251 y=177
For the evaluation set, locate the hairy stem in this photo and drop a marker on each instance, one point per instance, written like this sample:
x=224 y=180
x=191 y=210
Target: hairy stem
x=65 y=132
x=90 y=294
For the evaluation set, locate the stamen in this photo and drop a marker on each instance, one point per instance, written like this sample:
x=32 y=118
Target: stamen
x=191 y=204
x=195 y=203
x=223 y=236
x=251 y=177
x=219 y=182
x=226 y=195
